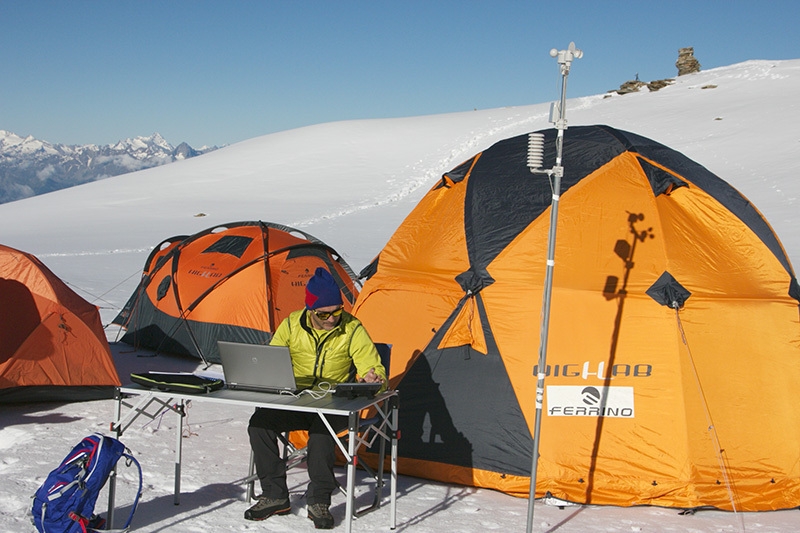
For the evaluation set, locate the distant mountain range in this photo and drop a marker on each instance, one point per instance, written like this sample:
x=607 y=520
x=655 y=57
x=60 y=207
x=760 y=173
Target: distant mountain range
x=29 y=166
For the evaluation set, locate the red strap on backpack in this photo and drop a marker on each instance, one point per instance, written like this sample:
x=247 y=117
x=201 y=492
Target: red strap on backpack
x=79 y=519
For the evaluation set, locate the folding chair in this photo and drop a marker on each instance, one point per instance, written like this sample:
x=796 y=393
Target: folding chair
x=368 y=430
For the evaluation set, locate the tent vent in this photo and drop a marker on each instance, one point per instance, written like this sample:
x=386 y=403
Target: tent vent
x=163 y=287
x=667 y=291
x=473 y=281
x=661 y=181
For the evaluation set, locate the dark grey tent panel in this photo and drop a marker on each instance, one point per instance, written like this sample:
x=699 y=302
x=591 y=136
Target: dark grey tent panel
x=459 y=408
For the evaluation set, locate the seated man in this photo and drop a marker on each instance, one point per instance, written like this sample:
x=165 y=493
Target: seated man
x=327 y=345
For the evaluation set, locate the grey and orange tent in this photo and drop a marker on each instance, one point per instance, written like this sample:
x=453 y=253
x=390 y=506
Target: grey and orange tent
x=232 y=282
x=52 y=343
x=673 y=359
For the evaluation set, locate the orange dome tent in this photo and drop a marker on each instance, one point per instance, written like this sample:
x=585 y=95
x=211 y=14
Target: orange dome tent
x=52 y=343
x=233 y=282
x=674 y=342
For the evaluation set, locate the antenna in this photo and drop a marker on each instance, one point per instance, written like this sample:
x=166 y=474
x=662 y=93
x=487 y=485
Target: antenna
x=535 y=148
x=557 y=115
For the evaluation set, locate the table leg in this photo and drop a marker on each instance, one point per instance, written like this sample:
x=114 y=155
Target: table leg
x=393 y=482
x=351 y=471
x=178 y=453
x=112 y=479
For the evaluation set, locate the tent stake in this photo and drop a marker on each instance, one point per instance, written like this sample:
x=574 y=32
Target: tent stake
x=564 y=58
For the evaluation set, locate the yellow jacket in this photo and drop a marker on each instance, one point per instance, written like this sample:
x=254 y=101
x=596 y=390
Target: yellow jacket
x=333 y=356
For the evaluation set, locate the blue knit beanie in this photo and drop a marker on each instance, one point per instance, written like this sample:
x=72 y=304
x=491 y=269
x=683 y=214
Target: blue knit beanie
x=322 y=290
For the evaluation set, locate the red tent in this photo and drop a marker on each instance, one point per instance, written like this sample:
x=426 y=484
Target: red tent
x=52 y=343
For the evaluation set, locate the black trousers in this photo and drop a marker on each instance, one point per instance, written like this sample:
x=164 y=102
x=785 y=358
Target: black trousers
x=266 y=424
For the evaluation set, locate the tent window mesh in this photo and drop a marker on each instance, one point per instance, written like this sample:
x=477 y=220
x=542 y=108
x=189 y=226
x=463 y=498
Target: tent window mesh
x=230 y=244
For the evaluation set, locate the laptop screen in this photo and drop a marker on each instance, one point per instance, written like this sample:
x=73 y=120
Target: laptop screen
x=258 y=367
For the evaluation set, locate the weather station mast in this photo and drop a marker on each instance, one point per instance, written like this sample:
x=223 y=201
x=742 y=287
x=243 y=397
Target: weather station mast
x=535 y=163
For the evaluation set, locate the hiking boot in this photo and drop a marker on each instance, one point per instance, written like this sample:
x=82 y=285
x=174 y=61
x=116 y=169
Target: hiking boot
x=321 y=515
x=266 y=507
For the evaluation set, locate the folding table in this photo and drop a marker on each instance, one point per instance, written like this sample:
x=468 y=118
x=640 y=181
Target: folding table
x=142 y=401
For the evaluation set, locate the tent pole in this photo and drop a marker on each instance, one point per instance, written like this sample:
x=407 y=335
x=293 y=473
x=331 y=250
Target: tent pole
x=564 y=58
x=185 y=322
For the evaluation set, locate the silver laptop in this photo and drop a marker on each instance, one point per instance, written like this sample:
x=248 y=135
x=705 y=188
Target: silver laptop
x=257 y=367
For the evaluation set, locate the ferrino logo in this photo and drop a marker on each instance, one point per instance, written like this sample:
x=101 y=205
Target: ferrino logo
x=579 y=400
x=589 y=399
x=300 y=282
x=206 y=271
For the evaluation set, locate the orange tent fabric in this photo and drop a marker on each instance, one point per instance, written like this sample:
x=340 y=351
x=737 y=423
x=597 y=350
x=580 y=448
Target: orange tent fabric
x=52 y=342
x=674 y=340
x=234 y=282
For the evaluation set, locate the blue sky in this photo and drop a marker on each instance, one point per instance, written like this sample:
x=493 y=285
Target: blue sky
x=220 y=72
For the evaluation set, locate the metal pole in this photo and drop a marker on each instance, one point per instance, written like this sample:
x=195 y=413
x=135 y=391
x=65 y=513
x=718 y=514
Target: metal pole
x=565 y=58
x=112 y=479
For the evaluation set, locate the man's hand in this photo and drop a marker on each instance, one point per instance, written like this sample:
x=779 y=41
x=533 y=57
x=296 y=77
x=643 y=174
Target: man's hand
x=371 y=377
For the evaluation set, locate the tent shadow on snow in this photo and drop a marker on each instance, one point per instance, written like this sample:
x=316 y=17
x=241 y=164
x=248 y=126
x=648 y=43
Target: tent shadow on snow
x=672 y=363
x=21 y=414
x=129 y=359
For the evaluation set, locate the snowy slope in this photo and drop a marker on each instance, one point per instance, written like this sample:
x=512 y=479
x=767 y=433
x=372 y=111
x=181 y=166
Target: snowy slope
x=351 y=184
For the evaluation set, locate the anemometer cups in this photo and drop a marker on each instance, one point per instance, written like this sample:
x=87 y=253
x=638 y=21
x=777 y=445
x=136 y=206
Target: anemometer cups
x=566 y=56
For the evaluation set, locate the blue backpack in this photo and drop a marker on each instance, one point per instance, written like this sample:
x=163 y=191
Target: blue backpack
x=65 y=501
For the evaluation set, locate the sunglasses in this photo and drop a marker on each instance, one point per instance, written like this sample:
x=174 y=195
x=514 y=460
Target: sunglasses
x=325 y=315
